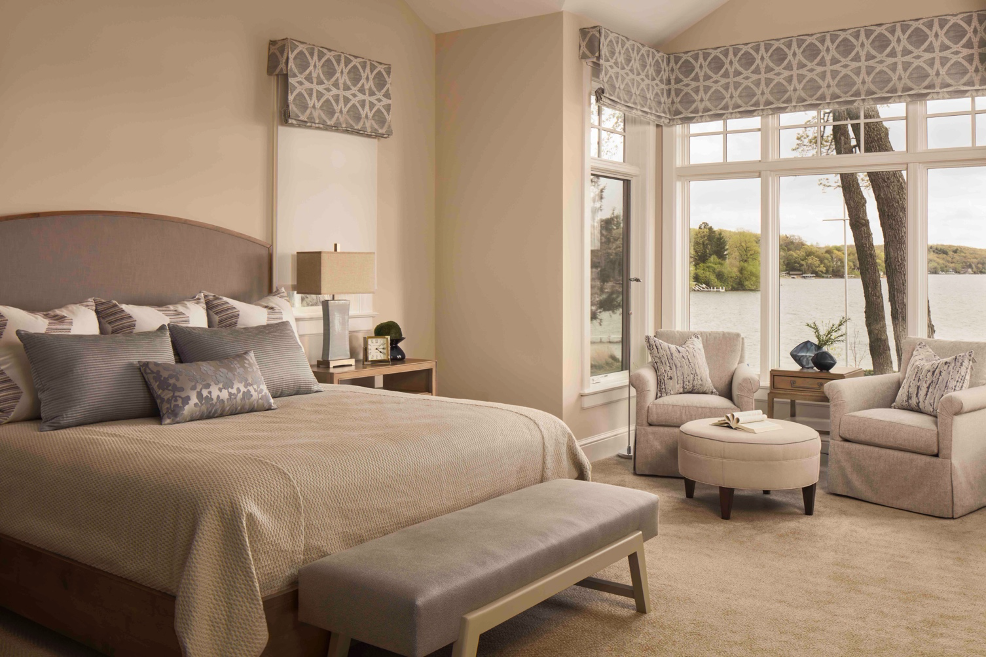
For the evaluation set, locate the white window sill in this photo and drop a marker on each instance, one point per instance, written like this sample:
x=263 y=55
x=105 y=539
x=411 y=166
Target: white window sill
x=607 y=392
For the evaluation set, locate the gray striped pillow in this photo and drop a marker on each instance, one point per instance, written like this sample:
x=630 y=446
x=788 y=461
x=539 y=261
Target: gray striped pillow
x=84 y=379
x=928 y=379
x=282 y=362
x=680 y=369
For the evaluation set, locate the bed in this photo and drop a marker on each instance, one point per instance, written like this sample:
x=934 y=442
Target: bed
x=139 y=539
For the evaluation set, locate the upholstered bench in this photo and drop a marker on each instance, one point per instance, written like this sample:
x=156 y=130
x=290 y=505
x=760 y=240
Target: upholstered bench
x=730 y=459
x=453 y=577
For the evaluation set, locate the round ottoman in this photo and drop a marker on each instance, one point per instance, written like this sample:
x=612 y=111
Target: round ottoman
x=730 y=459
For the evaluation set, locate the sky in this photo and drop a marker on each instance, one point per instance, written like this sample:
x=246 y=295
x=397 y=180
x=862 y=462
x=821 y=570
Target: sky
x=956 y=207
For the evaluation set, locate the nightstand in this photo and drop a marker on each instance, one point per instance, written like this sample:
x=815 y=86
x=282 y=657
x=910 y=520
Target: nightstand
x=417 y=376
x=806 y=385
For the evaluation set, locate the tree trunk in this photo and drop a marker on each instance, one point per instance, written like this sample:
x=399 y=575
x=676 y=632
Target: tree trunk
x=890 y=192
x=869 y=272
x=931 y=325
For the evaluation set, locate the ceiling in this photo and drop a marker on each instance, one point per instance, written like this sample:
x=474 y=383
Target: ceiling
x=648 y=21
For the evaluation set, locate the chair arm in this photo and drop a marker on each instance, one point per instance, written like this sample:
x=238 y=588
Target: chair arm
x=858 y=393
x=961 y=418
x=644 y=382
x=746 y=383
x=963 y=402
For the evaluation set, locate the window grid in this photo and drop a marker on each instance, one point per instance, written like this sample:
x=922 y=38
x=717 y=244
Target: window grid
x=723 y=130
x=607 y=131
x=939 y=112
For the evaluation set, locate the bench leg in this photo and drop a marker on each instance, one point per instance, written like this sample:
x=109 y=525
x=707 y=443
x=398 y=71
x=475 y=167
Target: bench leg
x=638 y=576
x=339 y=644
x=468 y=642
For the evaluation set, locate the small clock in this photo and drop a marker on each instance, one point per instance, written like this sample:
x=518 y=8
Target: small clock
x=376 y=349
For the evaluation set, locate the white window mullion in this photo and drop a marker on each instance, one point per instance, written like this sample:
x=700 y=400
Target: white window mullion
x=917 y=250
x=769 y=275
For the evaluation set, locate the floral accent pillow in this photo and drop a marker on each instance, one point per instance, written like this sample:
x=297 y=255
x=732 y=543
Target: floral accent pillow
x=680 y=368
x=928 y=379
x=207 y=389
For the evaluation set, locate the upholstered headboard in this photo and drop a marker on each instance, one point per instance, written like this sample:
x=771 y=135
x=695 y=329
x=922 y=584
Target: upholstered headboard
x=54 y=258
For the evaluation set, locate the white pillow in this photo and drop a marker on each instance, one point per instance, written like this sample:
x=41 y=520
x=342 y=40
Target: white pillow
x=224 y=312
x=18 y=399
x=117 y=318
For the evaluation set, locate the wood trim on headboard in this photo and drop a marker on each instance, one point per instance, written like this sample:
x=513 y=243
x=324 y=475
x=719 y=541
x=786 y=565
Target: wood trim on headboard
x=56 y=256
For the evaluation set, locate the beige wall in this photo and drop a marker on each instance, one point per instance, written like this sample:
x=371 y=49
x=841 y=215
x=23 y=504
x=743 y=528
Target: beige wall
x=509 y=214
x=164 y=107
x=742 y=21
x=499 y=212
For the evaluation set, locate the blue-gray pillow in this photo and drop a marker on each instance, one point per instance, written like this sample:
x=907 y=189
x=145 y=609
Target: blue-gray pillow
x=282 y=362
x=84 y=379
x=207 y=389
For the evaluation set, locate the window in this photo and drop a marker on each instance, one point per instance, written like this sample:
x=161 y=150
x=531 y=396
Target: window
x=732 y=140
x=863 y=130
x=957 y=253
x=609 y=227
x=817 y=242
x=835 y=202
x=608 y=132
x=956 y=123
x=724 y=227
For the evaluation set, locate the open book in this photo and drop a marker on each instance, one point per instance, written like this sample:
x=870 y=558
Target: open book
x=748 y=421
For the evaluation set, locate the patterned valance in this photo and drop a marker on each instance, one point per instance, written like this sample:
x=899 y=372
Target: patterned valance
x=928 y=58
x=331 y=90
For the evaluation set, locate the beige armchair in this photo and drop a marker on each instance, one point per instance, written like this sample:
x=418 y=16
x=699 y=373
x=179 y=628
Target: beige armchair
x=906 y=459
x=658 y=419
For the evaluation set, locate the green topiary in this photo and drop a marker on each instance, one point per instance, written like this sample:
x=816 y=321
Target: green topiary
x=389 y=328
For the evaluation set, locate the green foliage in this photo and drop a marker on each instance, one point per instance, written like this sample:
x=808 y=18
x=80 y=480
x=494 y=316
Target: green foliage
x=951 y=258
x=389 y=328
x=725 y=259
x=831 y=334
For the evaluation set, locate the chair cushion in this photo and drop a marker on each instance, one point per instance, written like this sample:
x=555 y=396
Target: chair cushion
x=929 y=378
x=676 y=410
x=896 y=429
x=724 y=350
x=406 y=592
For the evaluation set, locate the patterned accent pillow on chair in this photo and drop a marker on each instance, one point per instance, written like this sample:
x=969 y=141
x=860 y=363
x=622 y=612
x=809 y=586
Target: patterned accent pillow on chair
x=117 y=318
x=929 y=378
x=680 y=369
x=207 y=389
x=18 y=399
x=226 y=313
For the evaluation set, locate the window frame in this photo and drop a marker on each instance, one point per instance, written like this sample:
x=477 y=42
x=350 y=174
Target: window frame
x=640 y=168
x=916 y=160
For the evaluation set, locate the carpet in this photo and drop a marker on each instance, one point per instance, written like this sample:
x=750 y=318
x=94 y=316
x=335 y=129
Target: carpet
x=854 y=579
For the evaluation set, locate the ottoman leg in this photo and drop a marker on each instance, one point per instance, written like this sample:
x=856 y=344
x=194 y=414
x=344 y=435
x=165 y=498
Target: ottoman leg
x=766 y=492
x=809 y=495
x=726 y=501
x=689 y=488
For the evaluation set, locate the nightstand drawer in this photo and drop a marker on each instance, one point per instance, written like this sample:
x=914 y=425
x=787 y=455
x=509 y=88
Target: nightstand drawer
x=795 y=383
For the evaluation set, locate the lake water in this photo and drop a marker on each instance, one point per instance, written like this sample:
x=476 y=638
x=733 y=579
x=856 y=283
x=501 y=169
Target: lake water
x=958 y=309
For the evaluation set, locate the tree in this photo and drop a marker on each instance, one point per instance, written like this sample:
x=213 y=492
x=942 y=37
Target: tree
x=874 y=316
x=890 y=192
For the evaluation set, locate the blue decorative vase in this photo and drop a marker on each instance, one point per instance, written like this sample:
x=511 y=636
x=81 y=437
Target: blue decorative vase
x=396 y=353
x=802 y=353
x=823 y=360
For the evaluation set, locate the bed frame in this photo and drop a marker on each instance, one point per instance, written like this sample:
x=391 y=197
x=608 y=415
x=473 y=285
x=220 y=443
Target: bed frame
x=51 y=259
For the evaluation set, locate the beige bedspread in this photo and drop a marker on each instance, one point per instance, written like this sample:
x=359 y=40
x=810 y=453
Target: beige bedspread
x=223 y=512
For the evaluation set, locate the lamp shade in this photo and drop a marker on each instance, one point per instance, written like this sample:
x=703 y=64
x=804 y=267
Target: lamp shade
x=335 y=272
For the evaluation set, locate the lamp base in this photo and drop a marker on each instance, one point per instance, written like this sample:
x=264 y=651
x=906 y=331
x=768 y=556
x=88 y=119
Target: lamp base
x=625 y=454
x=335 y=363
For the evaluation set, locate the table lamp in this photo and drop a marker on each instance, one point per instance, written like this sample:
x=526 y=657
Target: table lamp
x=335 y=273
